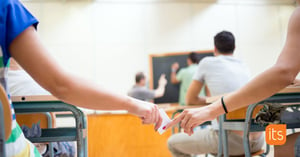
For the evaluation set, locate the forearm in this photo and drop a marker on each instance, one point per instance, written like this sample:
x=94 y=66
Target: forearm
x=29 y=52
x=207 y=92
x=196 y=101
x=277 y=77
x=72 y=90
x=261 y=87
x=33 y=57
x=192 y=96
x=159 y=92
x=173 y=78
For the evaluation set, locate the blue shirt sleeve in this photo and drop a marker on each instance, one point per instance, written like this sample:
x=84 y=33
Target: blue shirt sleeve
x=17 y=19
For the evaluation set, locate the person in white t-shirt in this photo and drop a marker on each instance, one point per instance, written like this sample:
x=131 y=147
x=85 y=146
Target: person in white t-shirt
x=222 y=74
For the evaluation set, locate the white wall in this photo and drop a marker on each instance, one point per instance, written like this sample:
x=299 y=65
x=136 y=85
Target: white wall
x=109 y=41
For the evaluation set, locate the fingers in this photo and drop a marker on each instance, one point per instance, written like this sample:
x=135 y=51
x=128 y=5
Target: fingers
x=175 y=121
x=187 y=123
x=185 y=120
x=189 y=130
x=154 y=111
x=158 y=124
x=152 y=116
x=159 y=119
x=147 y=117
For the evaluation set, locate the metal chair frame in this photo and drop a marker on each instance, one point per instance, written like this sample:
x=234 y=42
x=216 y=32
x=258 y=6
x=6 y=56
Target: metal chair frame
x=77 y=133
x=292 y=98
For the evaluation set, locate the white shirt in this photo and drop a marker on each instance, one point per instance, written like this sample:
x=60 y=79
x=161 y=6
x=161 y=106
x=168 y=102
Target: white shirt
x=222 y=74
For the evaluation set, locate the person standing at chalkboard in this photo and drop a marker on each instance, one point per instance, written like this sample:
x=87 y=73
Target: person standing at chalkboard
x=185 y=77
x=141 y=92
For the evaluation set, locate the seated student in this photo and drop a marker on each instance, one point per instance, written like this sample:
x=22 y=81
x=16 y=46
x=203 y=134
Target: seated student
x=18 y=39
x=223 y=74
x=141 y=92
x=264 y=85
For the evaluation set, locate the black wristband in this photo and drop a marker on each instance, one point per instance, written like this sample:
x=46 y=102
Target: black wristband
x=223 y=104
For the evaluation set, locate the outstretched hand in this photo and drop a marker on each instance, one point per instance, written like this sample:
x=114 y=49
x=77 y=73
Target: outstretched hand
x=190 y=118
x=153 y=117
x=175 y=66
x=162 y=80
x=148 y=112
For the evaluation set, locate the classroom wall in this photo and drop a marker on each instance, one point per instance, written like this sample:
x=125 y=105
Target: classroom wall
x=109 y=41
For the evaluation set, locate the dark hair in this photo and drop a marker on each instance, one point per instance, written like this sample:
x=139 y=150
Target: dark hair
x=139 y=76
x=225 y=42
x=193 y=57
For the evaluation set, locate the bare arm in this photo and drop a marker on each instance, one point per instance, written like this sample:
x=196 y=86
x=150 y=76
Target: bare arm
x=207 y=92
x=174 y=68
x=28 y=51
x=192 y=97
x=277 y=77
x=264 y=85
x=160 y=90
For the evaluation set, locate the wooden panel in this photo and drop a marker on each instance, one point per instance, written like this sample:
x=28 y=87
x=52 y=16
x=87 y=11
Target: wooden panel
x=123 y=135
x=241 y=113
x=29 y=119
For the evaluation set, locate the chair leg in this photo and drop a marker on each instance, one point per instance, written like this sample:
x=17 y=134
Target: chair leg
x=267 y=150
x=224 y=136
x=220 y=147
x=247 y=129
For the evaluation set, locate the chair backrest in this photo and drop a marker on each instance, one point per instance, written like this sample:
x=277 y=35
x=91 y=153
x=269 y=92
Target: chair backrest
x=45 y=119
x=239 y=114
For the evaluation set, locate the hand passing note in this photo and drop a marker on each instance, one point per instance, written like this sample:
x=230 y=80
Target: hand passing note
x=165 y=120
x=190 y=118
x=148 y=112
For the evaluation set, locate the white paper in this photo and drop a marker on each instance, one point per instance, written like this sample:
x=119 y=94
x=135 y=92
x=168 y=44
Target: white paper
x=165 y=120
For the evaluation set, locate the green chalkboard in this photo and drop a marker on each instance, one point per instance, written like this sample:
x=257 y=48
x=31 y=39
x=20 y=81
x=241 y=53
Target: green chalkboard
x=161 y=63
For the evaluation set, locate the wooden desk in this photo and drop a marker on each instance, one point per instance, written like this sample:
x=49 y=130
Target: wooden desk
x=123 y=135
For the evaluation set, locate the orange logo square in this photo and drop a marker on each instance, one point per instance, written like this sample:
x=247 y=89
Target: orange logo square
x=276 y=134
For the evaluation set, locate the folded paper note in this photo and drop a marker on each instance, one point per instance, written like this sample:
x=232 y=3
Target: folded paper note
x=165 y=120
